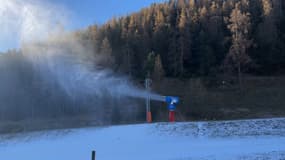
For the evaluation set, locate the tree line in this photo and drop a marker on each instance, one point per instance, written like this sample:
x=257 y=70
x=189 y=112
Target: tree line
x=195 y=38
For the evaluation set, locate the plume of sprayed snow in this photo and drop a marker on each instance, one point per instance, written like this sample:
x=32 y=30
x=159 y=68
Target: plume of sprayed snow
x=72 y=66
x=59 y=56
x=30 y=20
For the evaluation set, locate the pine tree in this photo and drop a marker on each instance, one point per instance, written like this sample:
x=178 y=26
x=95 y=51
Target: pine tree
x=226 y=7
x=278 y=8
x=214 y=9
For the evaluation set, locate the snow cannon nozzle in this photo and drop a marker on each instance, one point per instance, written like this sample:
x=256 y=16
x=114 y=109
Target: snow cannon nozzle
x=171 y=100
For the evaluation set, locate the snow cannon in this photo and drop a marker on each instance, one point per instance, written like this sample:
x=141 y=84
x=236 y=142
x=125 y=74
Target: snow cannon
x=172 y=102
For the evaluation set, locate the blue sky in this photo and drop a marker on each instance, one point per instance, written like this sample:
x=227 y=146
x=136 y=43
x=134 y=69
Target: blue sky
x=88 y=12
x=85 y=13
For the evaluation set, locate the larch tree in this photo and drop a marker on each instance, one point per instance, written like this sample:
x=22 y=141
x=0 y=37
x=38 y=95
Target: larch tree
x=270 y=40
x=126 y=47
x=181 y=3
x=106 y=58
x=267 y=7
x=268 y=24
x=159 y=21
x=215 y=21
x=159 y=31
x=203 y=16
x=149 y=64
x=192 y=5
x=226 y=8
x=239 y=25
x=184 y=34
x=158 y=72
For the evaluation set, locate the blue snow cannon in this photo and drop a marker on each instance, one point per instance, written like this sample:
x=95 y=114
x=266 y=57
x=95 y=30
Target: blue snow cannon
x=171 y=101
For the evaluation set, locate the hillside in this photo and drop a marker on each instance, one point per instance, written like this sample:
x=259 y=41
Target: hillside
x=224 y=59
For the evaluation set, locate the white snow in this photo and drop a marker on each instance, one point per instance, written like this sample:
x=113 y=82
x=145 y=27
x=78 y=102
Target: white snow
x=228 y=140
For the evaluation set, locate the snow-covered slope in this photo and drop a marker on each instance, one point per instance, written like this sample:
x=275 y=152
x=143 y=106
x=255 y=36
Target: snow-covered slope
x=250 y=139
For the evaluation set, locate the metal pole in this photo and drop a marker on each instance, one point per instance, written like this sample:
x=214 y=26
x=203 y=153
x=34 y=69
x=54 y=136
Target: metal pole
x=93 y=155
x=148 y=112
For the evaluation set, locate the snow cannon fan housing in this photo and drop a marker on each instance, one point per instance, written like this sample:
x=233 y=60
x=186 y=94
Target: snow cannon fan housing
x=172 y=102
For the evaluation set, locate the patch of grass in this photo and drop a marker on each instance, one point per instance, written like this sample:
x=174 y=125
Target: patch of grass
x=259 y=97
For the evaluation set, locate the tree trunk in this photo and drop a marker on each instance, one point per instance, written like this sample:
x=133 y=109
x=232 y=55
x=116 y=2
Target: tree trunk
x=239 y=76
x=129 y=62
x=181 y=60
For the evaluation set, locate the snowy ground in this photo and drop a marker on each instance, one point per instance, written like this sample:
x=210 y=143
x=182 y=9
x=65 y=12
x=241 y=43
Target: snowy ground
x=229 y=140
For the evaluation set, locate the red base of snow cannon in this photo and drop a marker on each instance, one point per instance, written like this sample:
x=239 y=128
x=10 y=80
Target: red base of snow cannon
x=171 y=116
